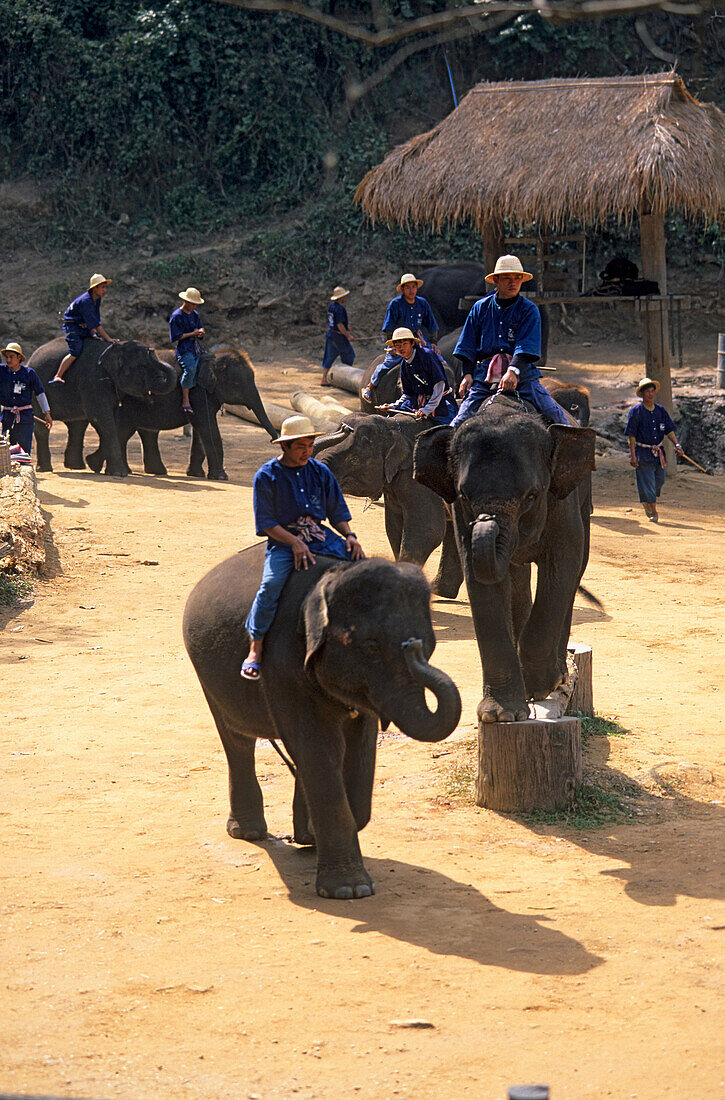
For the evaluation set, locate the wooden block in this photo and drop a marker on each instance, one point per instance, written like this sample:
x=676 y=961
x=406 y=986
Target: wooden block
x=531 y=765
x=582 y=698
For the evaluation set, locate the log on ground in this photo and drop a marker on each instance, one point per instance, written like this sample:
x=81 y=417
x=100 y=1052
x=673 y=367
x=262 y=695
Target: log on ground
x=22 y=527
x=530 y=765
x=324 y=418
x=346 y=378
x=276 y=413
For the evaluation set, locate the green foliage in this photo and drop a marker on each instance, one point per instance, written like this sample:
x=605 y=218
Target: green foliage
x=593 y=805
x=599 y=726
x=13 y=589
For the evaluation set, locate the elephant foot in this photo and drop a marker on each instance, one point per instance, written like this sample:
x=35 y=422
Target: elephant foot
x=217 y=475
x=344 y=885
x=250 y=830
x=490 y=710
x=157 y=471
x=304 y=837
x=74 y=464
x=540 y=682
x=43 y=468
x=194 y=473
x=117 y=473
x=94 y=462
x=445 y=589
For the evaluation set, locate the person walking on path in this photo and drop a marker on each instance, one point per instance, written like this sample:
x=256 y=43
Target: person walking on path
x=82 y=320
x=186 y=331
x=499 y=345
x=409 y=311
x=292 y=495
x=647 y=426
x=338 y=338
x=426 y=393
x=17 y=386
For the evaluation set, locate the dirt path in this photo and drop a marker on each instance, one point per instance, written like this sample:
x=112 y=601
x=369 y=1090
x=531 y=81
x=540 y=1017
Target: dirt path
x=147 y=955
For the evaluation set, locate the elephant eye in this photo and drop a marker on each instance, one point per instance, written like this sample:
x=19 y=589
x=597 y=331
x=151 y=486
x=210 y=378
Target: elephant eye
x=372 y=648
x=531 y=496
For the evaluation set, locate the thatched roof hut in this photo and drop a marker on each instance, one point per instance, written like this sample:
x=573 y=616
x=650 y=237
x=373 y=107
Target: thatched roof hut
x=549 y=150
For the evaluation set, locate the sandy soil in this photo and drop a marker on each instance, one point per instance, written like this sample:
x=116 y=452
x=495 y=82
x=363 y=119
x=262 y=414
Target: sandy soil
x=146 y=954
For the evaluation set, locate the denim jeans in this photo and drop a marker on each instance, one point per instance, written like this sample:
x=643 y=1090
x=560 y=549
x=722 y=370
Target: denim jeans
x=650 y=479
x=337 y=346
x=189 y=367
x=531 y=391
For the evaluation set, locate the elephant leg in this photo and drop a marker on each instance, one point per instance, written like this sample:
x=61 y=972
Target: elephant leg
x=205 y=423
x=301 y=817
x=43 y=461
x=449 y=578
x=520 y=597
x=73 y=457
x=359 y=767
x=320 y=754
x=197 y=454
x=105 y=425
x=152 y=461
x=246 y=807
x=544 y=638
x=393 y=526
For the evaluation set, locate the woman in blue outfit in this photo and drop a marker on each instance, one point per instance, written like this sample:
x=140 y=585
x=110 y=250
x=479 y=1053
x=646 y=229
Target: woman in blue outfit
x=82 y=320
x=18 y=384
x=338 y=336
x=647 y=426
x=500 y=344
x=410 y=311
x=186 y=331
x=293 y=494
x=426 y=393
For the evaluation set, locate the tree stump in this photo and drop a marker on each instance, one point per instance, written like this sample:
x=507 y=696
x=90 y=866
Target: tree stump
x=531 y=765
x=582 y=698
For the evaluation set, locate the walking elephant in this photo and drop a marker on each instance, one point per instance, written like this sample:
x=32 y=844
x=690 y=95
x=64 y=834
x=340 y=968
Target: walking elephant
x=103 y=376
x=226 y=377
x=372 y=456
x=443 y=287
x=335 y=661
x=572 y=397
x=520 y=493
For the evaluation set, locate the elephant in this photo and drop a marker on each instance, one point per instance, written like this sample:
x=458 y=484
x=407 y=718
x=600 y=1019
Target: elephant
x=520 y=493
x=372 y=456
x=226 y=377
x=349 y=645
x=103 y=376
x=572 y=397
x=445 y=284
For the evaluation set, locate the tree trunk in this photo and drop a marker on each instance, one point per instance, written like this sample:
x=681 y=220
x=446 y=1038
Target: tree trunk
x=582 y=698
x=524 y=766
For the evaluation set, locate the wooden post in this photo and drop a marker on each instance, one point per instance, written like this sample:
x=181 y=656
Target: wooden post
x=524 y=766
x=656 y=320
x=582 y=697
x=493 y=240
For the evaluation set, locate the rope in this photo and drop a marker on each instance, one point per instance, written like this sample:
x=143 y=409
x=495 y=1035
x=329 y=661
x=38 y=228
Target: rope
x=286 y=759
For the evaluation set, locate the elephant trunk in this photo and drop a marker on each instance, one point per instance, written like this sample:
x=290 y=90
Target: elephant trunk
x=490 y=550
x=323 y=442
x=409 y=710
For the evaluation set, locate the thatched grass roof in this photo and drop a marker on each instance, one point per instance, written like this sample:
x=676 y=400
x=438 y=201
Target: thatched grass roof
x=550 y=150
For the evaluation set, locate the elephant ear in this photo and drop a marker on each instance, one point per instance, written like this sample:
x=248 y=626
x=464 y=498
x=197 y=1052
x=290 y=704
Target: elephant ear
x=111 y=358
x=397 y=456
x=207 y=374
x=314 y=616
x=430 y=462
x=572 y=458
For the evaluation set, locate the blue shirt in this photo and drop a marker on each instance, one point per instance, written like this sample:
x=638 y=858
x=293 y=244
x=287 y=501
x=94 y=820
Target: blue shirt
x=181 y=322
x=84 y=311
x=648 y=426
x=418 y=377
x=284 y=494
x=516 y=329
x=336 y=315
x=418 y=317
x=17 y=388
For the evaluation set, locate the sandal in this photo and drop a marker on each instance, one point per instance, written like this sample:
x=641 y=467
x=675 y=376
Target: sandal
x=187 y=409
x=250 y=669
x=367 y=394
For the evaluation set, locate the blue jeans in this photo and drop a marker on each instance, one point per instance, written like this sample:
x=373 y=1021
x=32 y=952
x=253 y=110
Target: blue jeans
x=337 y=346
x=531 y=391
x=279 y=562
x=189 y=366
x=650 y=479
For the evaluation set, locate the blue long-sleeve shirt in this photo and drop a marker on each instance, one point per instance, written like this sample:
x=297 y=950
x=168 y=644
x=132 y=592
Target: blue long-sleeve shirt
x=648 y=426
x=418 y=316
x=282 y=495
x=17 y=388
x=336 y=315
x=515 y=329
x=181 y=322
x=84 y=311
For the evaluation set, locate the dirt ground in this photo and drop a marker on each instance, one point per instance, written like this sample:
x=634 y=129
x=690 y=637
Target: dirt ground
x=145 y=954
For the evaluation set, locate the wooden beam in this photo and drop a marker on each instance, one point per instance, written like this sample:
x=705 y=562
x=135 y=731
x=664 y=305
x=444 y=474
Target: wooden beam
x=493 y=240
x=656 y=320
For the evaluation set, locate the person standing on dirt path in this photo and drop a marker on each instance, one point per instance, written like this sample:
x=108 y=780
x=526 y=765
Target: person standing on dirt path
x=647 y=426
x=186 y=331
x=293 y=495
x=82 y=320
x=409 y=311
x=338 y=338
x=17 y=386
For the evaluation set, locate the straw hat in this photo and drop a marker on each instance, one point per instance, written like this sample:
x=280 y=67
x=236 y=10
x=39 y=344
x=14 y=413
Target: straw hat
x=408 y=278
x=98 y=280
x=296 y=427
x=13 y=347
x=643 y=382
x=509 y=265
x=191 y=294
x=339 y=292
x=402 y=334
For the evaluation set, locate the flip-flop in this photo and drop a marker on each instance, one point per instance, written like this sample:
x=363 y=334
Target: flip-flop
x=61 y=380
x=366 y=393
x=327 y=385
x=250 y=670
x=187 y=409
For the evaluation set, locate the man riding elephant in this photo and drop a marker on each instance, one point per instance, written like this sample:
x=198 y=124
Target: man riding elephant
x=186 y=331
x=82 y=321
x=499 y=345
x=426 y=393
x=410 y=311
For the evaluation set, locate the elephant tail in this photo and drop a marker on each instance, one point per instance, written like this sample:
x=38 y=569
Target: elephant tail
x=582 y=591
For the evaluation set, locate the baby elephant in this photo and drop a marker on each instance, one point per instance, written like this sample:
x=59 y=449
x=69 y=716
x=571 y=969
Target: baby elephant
x=349 y=645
